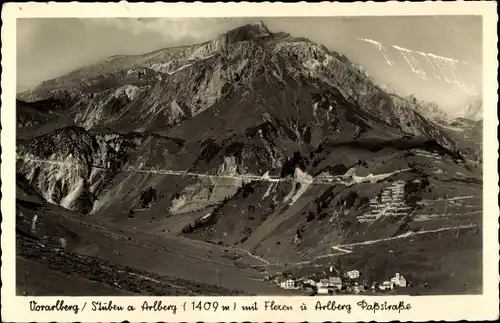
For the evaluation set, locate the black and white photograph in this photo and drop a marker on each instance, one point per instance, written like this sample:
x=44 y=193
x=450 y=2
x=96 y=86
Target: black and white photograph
x=249 y=156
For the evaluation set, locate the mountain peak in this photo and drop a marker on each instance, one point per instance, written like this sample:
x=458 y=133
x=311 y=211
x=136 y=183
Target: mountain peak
x=261 y=25
x=251 y=31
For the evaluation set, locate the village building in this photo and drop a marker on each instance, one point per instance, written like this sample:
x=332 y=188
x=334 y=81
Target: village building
x=399 y=280
x=323 y=283
x=359 y=288
x=390 y=204
x=287 y=284
x=352 y=274
x=386 y=285
x=323 y=290
x=355 y=288
x=335 y=282
x=310 y=282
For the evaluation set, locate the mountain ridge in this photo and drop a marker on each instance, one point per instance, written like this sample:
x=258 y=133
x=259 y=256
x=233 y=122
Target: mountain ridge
x=315 y=50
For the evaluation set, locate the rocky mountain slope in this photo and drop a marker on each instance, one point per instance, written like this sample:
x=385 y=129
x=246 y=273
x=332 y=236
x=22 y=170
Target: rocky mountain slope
x=157 y=90
x=256 y=140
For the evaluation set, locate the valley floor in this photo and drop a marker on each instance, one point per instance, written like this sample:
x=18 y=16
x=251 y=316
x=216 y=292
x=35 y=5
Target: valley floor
x=77 y=275
x=36 y=279
x=438 y=261
x=138 y=260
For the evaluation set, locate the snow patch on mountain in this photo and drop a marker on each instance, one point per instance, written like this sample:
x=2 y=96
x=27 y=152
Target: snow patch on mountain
x=301 y=183
x=77 y=189
x=474 y=110
x=130 y=91
x=177 y=113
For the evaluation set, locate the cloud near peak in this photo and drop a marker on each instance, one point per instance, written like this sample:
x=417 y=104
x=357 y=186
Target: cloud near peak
x=171 y=30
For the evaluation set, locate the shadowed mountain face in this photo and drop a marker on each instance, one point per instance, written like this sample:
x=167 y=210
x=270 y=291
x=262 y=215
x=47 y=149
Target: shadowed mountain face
x=256 y=139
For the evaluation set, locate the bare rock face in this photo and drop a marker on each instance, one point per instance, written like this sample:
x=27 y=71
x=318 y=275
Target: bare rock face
x=69 y=167
x=209 y=191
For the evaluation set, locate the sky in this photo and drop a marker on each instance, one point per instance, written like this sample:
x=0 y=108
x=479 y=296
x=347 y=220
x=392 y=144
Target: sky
x=50 y=47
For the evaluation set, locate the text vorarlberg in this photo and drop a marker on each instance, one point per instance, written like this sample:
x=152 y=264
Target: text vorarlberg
x=131 y=305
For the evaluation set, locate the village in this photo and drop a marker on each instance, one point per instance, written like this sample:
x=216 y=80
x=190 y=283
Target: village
x=347 y=283
x=390 y=203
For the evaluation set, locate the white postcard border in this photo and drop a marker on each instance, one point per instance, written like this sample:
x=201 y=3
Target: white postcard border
x=485 y=306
